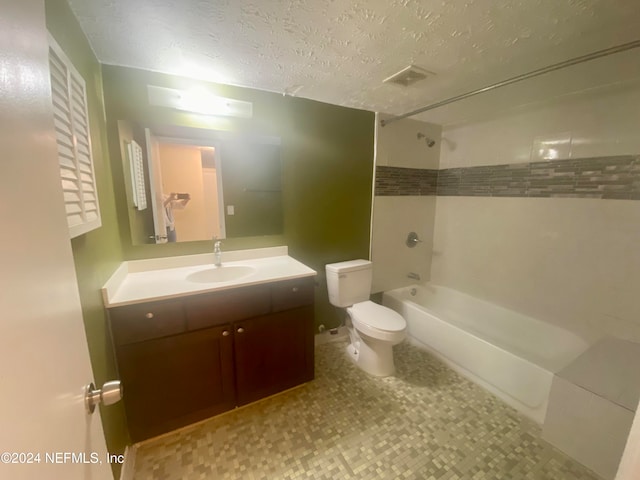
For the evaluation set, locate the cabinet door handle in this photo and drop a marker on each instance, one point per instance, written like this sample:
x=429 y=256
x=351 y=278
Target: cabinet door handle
x=149 y=315
x=240 y=330
x=294 y=289
x=225 y=333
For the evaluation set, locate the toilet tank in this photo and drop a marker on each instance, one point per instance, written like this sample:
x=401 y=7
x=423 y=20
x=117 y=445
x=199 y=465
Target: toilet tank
x=349 y=282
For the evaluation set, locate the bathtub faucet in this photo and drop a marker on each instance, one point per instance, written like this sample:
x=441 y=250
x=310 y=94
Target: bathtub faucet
x=413 y=275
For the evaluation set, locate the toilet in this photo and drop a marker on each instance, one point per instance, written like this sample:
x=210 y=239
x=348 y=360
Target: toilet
x=373 y=329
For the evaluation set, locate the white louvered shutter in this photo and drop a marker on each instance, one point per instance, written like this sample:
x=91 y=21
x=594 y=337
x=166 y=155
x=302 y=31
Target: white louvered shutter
x=71 y=121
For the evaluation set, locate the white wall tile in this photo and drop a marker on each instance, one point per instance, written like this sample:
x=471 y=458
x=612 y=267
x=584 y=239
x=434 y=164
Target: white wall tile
x=610 y=419
x=393 y=219
x=586 y=427
x=564 y=261
x=551 y=147
x=604 y=370
x=600 y=123
x=571 y=262
x=398 y=145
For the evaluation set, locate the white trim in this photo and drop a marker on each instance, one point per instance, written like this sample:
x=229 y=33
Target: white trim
x=117 y=277
x=155 y=180
x=222 y=217
x=376 y=119
x=629 y=468
x=129 y=465
x=84 y=224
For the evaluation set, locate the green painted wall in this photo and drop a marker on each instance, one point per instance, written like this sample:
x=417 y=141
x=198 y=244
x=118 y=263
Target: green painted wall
x=327 y=154
x=98 y=253
x=252 y=183
x=328 y=173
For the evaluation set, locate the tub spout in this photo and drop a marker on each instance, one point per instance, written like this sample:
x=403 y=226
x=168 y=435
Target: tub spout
x=413 y=275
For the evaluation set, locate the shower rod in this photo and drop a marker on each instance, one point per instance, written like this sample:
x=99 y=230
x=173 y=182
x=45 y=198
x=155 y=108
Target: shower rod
x=519 y=78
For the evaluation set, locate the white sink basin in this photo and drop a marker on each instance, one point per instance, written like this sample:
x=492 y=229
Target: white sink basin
x=221 y=274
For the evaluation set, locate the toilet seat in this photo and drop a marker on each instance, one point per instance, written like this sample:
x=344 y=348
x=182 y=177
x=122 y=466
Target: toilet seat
x=377 y=321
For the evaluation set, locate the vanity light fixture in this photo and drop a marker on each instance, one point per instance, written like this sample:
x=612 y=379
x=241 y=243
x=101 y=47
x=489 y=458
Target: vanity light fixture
x=198 y=101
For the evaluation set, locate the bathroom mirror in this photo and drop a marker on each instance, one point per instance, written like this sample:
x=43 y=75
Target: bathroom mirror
x=189 y=184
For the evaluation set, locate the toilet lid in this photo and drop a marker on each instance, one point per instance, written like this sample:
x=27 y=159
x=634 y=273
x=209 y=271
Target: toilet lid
x=378 y=316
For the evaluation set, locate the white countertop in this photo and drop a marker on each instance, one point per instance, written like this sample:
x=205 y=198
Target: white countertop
x=141 y=281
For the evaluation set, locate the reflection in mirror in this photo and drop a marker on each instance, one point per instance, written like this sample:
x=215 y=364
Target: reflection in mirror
x=187 y=193
x=200 y=184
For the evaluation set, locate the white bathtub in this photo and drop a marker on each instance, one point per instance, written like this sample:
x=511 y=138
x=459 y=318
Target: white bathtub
x=510 y=354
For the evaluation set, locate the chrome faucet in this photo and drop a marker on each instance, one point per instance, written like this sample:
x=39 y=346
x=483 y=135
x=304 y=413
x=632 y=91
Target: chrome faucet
x=414 y=276
x=217 y=253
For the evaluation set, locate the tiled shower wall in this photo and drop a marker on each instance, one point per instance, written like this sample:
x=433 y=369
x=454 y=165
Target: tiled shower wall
x=600 y=177
x=398 y=149
x=536 y=210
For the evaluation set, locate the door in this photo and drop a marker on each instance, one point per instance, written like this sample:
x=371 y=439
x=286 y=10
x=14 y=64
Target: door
x=44 y=360
x=213 y=202
x=155 y=187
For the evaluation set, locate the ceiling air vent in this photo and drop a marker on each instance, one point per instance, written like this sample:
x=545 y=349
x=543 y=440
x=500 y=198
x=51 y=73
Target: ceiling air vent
x=408 y=76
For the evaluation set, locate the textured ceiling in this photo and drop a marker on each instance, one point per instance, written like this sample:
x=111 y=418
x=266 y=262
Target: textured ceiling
x=339 y=51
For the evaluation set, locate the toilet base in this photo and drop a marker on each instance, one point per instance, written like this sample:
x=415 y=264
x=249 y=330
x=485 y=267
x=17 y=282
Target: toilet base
x=373 y=356
x=352 y=352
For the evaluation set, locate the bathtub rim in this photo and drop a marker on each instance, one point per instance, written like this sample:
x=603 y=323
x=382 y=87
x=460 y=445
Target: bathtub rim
x=527 y=391
x=554 y=366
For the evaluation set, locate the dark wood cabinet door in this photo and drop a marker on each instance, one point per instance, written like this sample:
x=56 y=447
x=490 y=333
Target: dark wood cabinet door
x=173 y=381
x=273 y=352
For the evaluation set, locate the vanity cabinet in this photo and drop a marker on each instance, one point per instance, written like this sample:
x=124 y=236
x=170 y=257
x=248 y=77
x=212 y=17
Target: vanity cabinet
x=176 y=380
x=186 y=359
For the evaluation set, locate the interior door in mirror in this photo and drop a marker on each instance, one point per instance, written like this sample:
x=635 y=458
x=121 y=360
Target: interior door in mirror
x=155 y=180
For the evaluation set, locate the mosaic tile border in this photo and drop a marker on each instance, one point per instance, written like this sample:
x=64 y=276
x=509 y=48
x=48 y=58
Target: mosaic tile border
x=406 y=181
x=597 y=177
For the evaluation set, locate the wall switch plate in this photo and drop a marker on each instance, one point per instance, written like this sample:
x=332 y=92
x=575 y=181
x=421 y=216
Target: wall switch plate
x=231 y=210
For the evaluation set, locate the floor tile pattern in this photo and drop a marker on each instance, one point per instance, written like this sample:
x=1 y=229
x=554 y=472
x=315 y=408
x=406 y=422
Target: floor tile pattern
x=425 y=423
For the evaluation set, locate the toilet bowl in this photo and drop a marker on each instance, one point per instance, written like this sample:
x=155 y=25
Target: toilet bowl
x=373 y=329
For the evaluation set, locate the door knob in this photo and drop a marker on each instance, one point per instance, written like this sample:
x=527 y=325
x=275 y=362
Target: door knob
x=225 y=333
x=412 y=240
x=110 y=393
x=240 y=330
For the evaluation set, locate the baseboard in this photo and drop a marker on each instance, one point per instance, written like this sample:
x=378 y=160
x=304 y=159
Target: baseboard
x=129 y=464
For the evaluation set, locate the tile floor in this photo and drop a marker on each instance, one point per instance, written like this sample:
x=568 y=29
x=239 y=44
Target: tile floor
x=425 y=423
